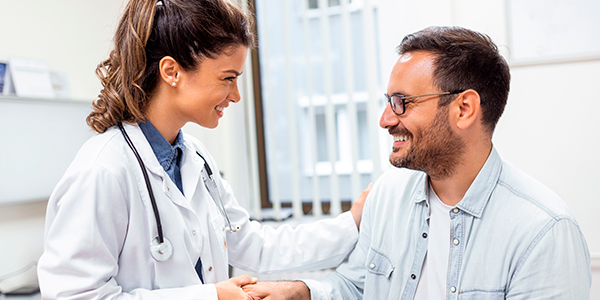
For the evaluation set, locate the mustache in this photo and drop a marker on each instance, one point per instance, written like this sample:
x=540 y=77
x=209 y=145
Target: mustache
x=399 y=131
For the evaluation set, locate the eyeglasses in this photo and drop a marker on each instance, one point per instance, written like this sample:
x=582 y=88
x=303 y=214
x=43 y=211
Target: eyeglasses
x=397 y=101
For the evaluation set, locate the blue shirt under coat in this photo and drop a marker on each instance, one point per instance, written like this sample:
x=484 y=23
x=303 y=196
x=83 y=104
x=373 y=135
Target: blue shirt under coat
x=169 y=156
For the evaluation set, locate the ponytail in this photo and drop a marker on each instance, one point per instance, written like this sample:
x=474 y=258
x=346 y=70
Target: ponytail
x=122 y=98
x=187 y=30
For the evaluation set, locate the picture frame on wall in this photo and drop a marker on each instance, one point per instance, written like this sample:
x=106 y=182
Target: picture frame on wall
x=542 y=32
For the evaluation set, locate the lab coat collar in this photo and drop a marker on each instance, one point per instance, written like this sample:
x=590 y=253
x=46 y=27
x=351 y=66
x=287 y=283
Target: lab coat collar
x=191 y=167
x=167 y=186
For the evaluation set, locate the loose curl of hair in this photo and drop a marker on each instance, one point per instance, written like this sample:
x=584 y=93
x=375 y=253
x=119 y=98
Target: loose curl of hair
x=187 y=30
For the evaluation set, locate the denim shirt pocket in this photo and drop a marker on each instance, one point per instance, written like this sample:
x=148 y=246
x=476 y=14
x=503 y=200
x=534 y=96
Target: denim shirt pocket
x=379 y=263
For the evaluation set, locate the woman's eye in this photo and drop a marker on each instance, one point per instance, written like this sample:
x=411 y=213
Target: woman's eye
x=230 y=79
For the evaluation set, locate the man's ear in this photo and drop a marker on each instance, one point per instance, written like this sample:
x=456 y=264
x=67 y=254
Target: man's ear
x=468 y=105
x=169 y=70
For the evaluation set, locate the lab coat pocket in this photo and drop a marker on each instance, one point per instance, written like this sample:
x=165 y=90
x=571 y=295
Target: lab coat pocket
x=219 y=228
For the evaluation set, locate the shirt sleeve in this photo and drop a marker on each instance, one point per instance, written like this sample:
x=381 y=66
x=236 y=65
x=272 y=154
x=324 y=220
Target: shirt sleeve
x=555 y=267
x=348 y=281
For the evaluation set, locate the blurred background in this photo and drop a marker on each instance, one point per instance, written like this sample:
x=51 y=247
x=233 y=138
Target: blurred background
x=305 y=140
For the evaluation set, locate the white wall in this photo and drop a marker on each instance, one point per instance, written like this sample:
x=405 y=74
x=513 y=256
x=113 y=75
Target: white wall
x=69 y=35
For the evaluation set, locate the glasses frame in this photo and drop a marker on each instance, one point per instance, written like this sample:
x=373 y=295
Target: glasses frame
x=403 y=98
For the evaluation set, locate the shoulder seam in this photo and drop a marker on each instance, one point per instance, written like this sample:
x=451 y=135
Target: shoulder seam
x=551 y=214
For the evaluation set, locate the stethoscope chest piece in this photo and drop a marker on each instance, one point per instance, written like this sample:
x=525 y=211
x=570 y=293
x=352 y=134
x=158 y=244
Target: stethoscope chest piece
x=161 y=251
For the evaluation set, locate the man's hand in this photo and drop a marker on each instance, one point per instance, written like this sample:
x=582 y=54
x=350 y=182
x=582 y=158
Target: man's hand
x=232 y=289
x=357 y=207
x=278 y=290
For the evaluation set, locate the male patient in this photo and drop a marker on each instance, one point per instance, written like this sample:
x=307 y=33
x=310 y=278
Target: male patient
x=453 y=220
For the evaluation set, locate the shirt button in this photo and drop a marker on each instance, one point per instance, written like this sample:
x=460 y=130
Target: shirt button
x=413 y=276
x=456 y=210
x=209 y=269
x=452 y=289
x=372 y=266
x=424 y=235
x=455 y=241
x=193 y=232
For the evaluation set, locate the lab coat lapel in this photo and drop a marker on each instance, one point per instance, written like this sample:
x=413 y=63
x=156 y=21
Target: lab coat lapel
x=168 y=188
x=191 y=167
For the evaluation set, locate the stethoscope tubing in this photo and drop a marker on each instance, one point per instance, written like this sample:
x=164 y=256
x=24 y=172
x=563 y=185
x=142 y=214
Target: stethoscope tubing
x=147 y=180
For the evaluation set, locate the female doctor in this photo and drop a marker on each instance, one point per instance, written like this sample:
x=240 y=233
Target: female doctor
x=142 y=212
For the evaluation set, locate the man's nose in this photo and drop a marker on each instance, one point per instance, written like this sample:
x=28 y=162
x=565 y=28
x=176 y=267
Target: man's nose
x=388 y=119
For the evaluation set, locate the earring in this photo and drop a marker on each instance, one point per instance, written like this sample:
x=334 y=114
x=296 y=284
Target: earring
x=174 y=83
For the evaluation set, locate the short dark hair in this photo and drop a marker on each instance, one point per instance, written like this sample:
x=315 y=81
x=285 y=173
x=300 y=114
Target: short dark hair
x=465 y=59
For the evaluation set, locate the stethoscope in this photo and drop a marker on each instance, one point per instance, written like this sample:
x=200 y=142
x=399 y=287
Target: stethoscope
x=161 y=248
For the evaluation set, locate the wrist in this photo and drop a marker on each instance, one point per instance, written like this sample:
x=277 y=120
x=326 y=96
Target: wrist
x=296 y=290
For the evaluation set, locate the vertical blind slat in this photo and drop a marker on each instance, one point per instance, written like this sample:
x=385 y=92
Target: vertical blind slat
x=351 y=104
x=336 y=207
x=316 y=198
x=372 y=107
x=269 y=134
x=292 y=132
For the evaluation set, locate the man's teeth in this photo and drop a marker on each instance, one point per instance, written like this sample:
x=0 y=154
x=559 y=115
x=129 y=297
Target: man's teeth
x=400 y=138
x=219 y=108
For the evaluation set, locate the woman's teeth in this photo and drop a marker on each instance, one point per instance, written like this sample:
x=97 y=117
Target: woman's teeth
x=219 y=108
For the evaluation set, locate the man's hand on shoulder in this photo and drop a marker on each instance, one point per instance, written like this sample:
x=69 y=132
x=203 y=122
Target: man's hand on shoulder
x=278 y=290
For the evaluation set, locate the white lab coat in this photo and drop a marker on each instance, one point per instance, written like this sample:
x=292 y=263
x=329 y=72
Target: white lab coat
x=100 y=224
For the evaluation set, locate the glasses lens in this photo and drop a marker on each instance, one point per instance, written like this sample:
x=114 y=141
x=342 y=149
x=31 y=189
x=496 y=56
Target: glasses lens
x=397 y=104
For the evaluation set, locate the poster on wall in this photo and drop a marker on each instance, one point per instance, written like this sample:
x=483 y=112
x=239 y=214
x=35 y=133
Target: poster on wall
x=544 y=31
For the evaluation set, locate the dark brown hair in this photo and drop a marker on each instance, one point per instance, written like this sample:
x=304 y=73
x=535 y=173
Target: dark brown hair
x=187 y=30
x=465 y=59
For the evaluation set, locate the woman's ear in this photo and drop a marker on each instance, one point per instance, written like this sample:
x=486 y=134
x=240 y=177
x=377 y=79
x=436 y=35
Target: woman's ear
x=469 y=108
x=169 y=70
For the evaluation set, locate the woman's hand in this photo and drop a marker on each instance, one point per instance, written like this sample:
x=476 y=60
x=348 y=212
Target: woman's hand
x=232 y=289
x=357 y=207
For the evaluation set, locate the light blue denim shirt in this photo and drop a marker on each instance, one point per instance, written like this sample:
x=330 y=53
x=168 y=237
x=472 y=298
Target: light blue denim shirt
x=510 y=238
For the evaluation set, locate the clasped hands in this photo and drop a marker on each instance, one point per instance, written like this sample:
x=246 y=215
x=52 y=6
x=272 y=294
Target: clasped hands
x=247 y=288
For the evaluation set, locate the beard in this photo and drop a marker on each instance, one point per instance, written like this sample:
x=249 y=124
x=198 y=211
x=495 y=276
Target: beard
x=434 y=150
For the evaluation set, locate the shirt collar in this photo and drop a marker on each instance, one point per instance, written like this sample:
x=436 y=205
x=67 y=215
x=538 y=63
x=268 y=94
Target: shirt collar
x=479 y=192
x=165 y=152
